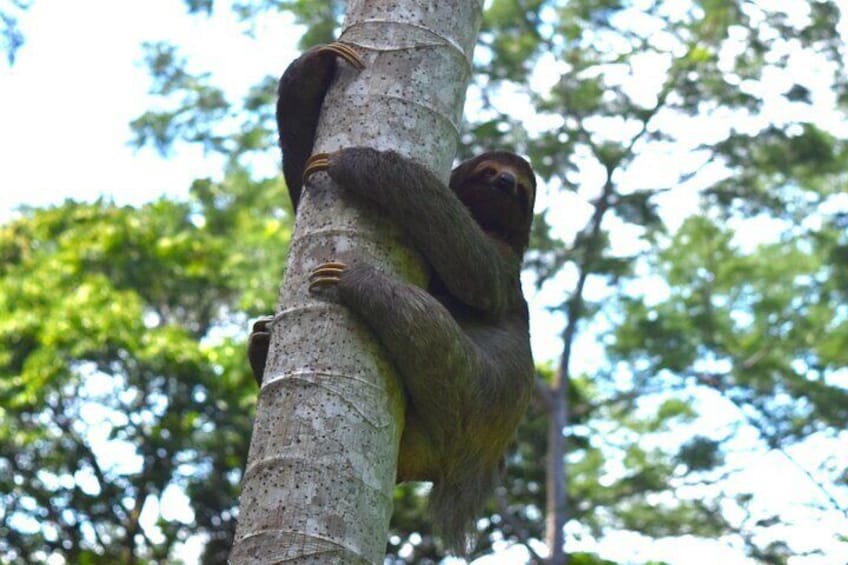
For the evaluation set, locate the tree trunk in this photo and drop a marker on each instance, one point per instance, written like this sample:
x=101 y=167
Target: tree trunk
x=321 y=469
x=557 y=494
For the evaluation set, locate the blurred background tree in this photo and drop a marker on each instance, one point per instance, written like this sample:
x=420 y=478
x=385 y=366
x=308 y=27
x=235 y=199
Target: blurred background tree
x=690 y=266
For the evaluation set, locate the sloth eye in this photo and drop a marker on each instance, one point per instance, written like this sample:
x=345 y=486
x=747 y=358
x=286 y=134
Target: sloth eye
x=490 y=171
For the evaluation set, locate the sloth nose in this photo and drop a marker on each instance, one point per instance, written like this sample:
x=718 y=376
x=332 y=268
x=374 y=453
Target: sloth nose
x=506 y=182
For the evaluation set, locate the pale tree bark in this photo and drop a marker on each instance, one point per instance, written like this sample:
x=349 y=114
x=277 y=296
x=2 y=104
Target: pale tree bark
x=318 y=483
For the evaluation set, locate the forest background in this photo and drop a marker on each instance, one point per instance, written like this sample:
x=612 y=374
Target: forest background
x=687 y=277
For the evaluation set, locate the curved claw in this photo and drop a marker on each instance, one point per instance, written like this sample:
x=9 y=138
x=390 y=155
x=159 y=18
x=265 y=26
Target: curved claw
x=326 y=274
x=262 y=324
x=316 y=163
x=345 y=52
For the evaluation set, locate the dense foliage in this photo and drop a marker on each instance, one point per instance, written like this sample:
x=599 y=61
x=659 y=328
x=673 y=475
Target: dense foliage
x=123 y=372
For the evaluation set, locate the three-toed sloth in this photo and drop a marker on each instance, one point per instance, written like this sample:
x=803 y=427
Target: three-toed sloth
x=462 y=345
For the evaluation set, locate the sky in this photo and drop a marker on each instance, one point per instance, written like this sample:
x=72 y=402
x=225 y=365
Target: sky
x=65 y=109
x=79 y=80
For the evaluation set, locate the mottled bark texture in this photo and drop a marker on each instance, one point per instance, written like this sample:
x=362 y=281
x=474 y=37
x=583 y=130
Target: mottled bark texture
x=318 y=483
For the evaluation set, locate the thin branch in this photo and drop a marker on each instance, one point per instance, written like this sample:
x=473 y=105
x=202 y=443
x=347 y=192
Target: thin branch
x=520 y=532
x=715 y=381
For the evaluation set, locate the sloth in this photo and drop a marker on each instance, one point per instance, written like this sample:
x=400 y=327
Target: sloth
x=461 y=345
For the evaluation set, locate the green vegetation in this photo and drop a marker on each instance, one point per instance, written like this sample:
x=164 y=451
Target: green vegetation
x=695 y=246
